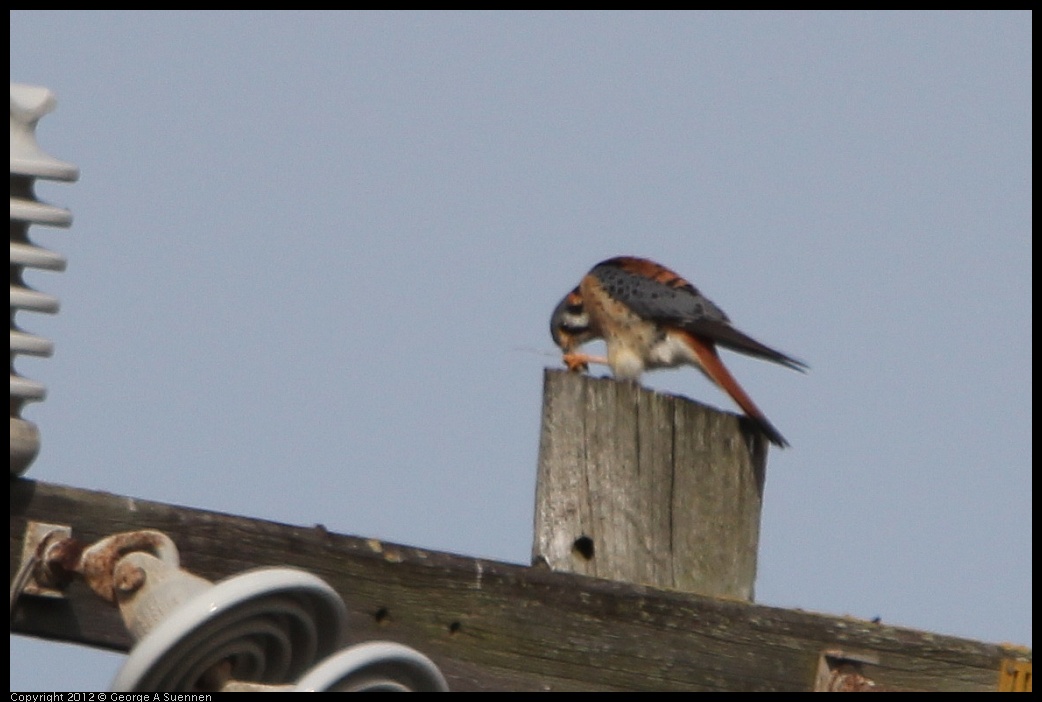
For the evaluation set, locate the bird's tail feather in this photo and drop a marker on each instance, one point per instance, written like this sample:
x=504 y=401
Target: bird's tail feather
x=718 y=373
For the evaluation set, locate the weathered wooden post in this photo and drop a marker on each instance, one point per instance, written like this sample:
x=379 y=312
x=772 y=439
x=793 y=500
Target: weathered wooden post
x=648 y=488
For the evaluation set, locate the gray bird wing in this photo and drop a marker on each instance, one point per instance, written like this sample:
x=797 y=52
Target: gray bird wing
x=656 y=293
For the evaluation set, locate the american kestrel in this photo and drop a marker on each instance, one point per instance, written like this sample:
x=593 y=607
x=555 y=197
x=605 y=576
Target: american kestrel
x=650 y=317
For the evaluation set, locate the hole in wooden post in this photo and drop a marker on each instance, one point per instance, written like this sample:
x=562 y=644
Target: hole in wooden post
x=583 y=546
x=383 y=616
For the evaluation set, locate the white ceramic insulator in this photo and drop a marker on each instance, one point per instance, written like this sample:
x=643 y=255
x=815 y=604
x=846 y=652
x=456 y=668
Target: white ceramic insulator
x=28 y=163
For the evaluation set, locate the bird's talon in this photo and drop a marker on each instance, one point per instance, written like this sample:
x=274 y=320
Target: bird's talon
x=575 y=362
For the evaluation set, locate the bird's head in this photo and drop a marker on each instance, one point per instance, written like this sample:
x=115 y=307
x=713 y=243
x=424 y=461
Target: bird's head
x=570 y=323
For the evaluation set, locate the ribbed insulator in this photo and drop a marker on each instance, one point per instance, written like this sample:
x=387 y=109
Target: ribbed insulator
x=29 y=162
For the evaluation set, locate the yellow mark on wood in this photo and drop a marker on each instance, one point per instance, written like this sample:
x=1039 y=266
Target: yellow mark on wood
x=1014 y=676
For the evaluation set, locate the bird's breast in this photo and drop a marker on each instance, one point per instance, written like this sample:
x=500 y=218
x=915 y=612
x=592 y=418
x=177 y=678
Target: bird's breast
x=629 y=337
x=626 y=364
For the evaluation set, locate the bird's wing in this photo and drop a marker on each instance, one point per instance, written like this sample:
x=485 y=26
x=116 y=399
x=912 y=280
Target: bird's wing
x=656 y=293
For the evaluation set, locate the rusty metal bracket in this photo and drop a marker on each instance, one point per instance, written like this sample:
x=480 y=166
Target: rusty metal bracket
x=843 y=671
x=39 y=537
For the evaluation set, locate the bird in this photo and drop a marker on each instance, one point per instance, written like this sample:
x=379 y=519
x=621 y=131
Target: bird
x=650 y=317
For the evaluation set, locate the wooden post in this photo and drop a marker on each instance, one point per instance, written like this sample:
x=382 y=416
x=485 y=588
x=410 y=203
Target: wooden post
x=647 y=488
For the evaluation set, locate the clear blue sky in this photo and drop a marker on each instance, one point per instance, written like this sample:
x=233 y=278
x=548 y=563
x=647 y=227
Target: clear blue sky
x=312 y=254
